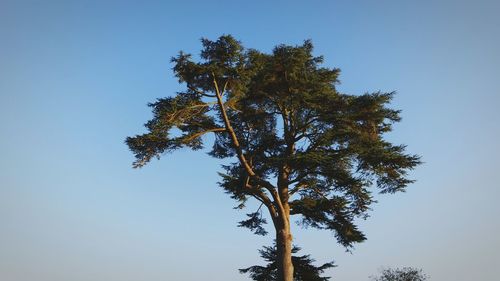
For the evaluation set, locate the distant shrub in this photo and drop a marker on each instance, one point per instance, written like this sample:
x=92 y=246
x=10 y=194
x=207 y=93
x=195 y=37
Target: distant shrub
x=400 y=274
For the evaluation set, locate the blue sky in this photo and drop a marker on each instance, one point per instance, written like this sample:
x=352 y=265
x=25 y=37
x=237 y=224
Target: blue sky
x=75 y=78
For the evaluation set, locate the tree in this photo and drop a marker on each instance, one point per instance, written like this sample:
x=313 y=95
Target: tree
x=304 y=270
x=401 y=274
x=300 y=147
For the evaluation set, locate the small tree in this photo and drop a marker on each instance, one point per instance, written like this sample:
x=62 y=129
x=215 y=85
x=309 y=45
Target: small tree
x=401 y=274
x=301 y=147
x=304 y=270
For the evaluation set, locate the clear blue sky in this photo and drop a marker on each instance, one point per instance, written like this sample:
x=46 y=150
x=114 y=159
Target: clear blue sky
x=75 y=78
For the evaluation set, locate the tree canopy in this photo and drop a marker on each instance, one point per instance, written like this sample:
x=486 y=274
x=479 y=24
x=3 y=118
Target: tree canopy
x=299 y=146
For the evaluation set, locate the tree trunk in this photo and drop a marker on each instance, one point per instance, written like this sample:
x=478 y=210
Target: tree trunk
x=283 y=233
x=284 y=253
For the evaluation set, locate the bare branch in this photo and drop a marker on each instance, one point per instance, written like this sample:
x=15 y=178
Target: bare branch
x=224 y=88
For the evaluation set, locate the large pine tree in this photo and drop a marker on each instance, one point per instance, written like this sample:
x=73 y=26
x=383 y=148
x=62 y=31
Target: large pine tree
x=300 y=147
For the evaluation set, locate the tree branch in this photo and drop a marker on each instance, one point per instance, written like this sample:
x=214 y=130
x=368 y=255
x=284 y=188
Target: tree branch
x=176 y=113
x=224 y=88
x=231 y=132
x=200 y=92
x=262 y=197
x=297 y=188
x=241 y=156
x=190 y=138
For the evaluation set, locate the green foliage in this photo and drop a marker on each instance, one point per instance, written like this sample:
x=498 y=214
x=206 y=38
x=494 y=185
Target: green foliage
x=254 y=223
x=185 y=112
x=401 y=274
x=303 y=265
x=281 y=116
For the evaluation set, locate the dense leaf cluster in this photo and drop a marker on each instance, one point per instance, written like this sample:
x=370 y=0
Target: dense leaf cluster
x=297 y=140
